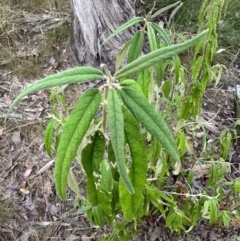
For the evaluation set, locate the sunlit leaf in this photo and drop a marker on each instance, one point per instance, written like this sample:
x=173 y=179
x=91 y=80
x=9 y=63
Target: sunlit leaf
x=124 y=26
x=151 y=119
x=133 y=204
x=135 y=47
x=155 y=56
x=116 y=127
x=74 y=75
x=72 y=135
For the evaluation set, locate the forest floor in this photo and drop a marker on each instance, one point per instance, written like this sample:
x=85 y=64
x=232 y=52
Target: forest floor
x=33 y=45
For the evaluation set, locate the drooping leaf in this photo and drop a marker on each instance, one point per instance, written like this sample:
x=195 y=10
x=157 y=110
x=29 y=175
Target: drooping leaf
x=91 y=157
x=107 y=179
x=112 y=161
x=87 y=162
x=126 y=25
x=99 y=196
x=75 y=75
x=72 y=135
x=151 y=119
x=116 y=128
x=132 y=204
x=155 y=56
x=98 y=150
x=98 y=215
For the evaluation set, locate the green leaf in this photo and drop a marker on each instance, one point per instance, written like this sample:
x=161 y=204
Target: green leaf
x=213 y=211
x=236 y=187
x=144 y=79
x=133 y=204
x=135 y=47
x=116 y=127
x=73 y=132
x=151 y=38
x=98 y=215
x=187 y=108
x=75 y=75
x=48 y=135
x=126 y=25
x=91 y=157
x=98 y=150
x=196 y=99
x=133 y=84
x=162 y=33
x=155 y=56
x=162 y=10
x=151 y=119
x=167 y=88
x=105 y=201
x=152 y=195
x=112 y=161
x=107 y=179
x=154 y=45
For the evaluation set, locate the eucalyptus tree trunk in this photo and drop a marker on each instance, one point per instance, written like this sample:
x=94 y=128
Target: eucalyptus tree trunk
x=93 y=22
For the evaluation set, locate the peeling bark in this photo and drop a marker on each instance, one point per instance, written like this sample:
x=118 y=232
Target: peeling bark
x=94 y=21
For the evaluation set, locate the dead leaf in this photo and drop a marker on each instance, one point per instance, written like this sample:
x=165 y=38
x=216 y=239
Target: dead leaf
x=156 y=234
x=85 y=238
x=73 y=237
x=24 y=191
x=16 y=137
x=1 y=131
x=28 y=171
x=44 y=168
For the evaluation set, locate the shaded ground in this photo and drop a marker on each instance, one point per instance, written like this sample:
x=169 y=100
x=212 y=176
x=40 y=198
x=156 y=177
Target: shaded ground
x=30 y=209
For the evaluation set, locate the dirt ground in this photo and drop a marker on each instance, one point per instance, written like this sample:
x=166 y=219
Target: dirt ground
x=29 y=207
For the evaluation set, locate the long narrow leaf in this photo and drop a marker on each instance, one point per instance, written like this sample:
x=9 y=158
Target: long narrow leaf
x=116 y=127
x=155 y=56
x=135 y=47
x=143 y=79
x=151 y=119
x=73 y=132
x=75 y=75
x=164 y=35
x=154 y=45
x=162 y=10
x=121 y=54
x=90 y=157
x=126 y=25
x=151 y=38
x=133 y=204
x=48 y=134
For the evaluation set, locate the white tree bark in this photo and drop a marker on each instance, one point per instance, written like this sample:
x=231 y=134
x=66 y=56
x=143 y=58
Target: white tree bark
x=94 y=21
